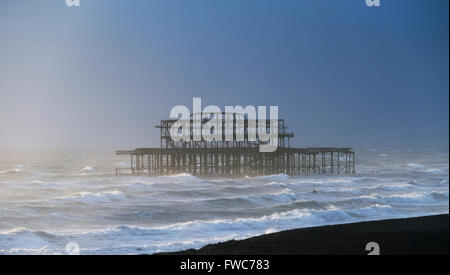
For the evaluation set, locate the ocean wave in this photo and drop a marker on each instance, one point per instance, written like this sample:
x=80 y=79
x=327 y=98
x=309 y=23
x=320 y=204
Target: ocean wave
x=140 y=186
x=409 y=199
x=283 y=196
x=276 y=184
x=168 y=213
x=88 y=197
x=169 y=183
x=192 y=234
x=293 y=218
x=11 y=171
x=387 y=187
x=418 y=198
x=296 y=218
x=303 y=204
x=180 y=175
x=436 y=171
x=415 y=166
x=358 y=202
x=412 y=199
x=23 y=232
x=333 y=182
x=413 y=182
x=24 y=241
x=269 y=177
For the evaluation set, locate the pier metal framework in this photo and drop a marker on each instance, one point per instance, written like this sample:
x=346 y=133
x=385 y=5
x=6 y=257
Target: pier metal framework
x=235 y=158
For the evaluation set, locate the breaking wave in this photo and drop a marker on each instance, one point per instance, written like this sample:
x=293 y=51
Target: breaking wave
x=88 y=197
x=181 y=235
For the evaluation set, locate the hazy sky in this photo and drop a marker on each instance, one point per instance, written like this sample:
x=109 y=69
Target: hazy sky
x=105 y=73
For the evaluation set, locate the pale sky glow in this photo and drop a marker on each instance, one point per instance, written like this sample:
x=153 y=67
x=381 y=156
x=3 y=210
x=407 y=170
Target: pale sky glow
x=105 y=73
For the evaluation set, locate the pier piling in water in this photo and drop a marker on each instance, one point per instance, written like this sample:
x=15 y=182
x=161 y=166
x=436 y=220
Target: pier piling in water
x=235 y=158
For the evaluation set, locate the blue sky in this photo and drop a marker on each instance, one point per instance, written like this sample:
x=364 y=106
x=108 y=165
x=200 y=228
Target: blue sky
x=105 y=73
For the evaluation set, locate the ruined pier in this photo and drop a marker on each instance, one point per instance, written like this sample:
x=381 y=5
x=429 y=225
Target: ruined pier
x=235 y=158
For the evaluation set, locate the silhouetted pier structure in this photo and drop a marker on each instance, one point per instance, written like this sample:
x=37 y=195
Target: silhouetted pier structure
x=235 y=158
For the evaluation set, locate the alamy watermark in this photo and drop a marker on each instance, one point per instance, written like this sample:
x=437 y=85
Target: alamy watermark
x=235 y=124
x=72 y=248
x=373 y=248
x=373 y=3
x=73 y=3
x=369 y=3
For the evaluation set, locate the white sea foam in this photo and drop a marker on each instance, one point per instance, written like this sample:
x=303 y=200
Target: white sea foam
x=279 y=177
x=193 y=234
x=276 y=184
x=88 y=197
x=182 y=175
x=418 y=198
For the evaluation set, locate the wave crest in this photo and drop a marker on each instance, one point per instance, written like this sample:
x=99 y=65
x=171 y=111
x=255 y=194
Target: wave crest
x=100 y=197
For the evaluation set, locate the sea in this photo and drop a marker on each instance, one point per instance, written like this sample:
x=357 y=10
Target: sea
x=69 y=202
